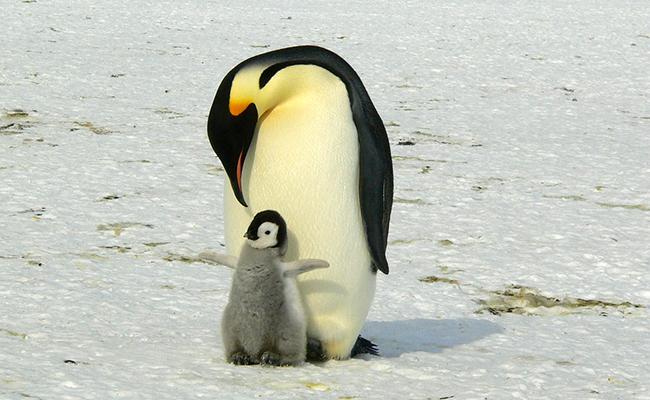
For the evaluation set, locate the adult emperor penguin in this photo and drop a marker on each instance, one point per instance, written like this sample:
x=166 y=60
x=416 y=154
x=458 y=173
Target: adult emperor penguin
x=297 y=132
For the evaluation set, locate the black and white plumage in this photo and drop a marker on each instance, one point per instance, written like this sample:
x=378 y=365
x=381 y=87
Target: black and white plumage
x=264 y=320
x=297 y=132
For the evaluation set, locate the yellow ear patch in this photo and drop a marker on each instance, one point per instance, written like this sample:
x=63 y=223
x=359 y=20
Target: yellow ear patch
x=238 y=106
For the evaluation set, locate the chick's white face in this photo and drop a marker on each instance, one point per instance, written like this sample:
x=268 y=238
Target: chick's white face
x=267 y=236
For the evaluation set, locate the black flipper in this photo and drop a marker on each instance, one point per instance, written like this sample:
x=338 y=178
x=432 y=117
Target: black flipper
x=364 y=346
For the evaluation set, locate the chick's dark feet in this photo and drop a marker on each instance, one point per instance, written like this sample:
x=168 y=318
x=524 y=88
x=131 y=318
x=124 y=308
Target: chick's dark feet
x=241 y=358
x=315 y=351
x=270 y=359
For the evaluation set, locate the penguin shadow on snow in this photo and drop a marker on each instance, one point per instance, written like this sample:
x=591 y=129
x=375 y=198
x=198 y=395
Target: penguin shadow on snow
x=395 y=338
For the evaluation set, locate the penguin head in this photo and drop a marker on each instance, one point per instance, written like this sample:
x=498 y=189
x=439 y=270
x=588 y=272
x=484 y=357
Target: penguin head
x=267 y=230
x=257 y=86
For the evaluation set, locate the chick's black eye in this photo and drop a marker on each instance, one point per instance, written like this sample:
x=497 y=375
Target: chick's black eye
x=267 y=232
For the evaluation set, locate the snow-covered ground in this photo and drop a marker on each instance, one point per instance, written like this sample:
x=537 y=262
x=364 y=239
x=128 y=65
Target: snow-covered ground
x=520 y=238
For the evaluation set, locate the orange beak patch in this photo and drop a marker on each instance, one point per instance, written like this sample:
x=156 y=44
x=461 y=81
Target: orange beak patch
x=240 y=167
x=237 y=107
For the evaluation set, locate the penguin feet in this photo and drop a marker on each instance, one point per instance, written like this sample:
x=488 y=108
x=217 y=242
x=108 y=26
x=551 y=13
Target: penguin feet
x=364 y=346
x=270 y=359
x=315 y=352
x=241 y=358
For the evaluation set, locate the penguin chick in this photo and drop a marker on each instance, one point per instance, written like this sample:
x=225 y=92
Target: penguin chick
x=264 y=321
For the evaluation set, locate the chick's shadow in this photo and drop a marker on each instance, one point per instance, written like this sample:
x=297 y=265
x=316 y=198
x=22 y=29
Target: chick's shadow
x=395 y=338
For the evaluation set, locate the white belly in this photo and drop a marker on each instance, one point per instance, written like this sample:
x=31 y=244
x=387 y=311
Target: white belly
x=303 y=163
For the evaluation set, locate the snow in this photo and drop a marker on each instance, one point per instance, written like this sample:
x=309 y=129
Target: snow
x=529 y=169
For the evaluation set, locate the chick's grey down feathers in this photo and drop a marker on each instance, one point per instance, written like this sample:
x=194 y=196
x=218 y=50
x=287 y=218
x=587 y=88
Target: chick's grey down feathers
x=264 y=320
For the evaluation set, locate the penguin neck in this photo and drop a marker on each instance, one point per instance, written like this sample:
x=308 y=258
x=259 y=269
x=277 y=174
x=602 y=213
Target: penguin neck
x=251 y=255
x=294 y=84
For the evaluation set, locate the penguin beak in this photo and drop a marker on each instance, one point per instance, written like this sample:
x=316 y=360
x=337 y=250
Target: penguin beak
x=251 y=234
x=231 y=135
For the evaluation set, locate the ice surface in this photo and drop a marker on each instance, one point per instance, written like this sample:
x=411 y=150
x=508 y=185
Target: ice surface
x=530 y=124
